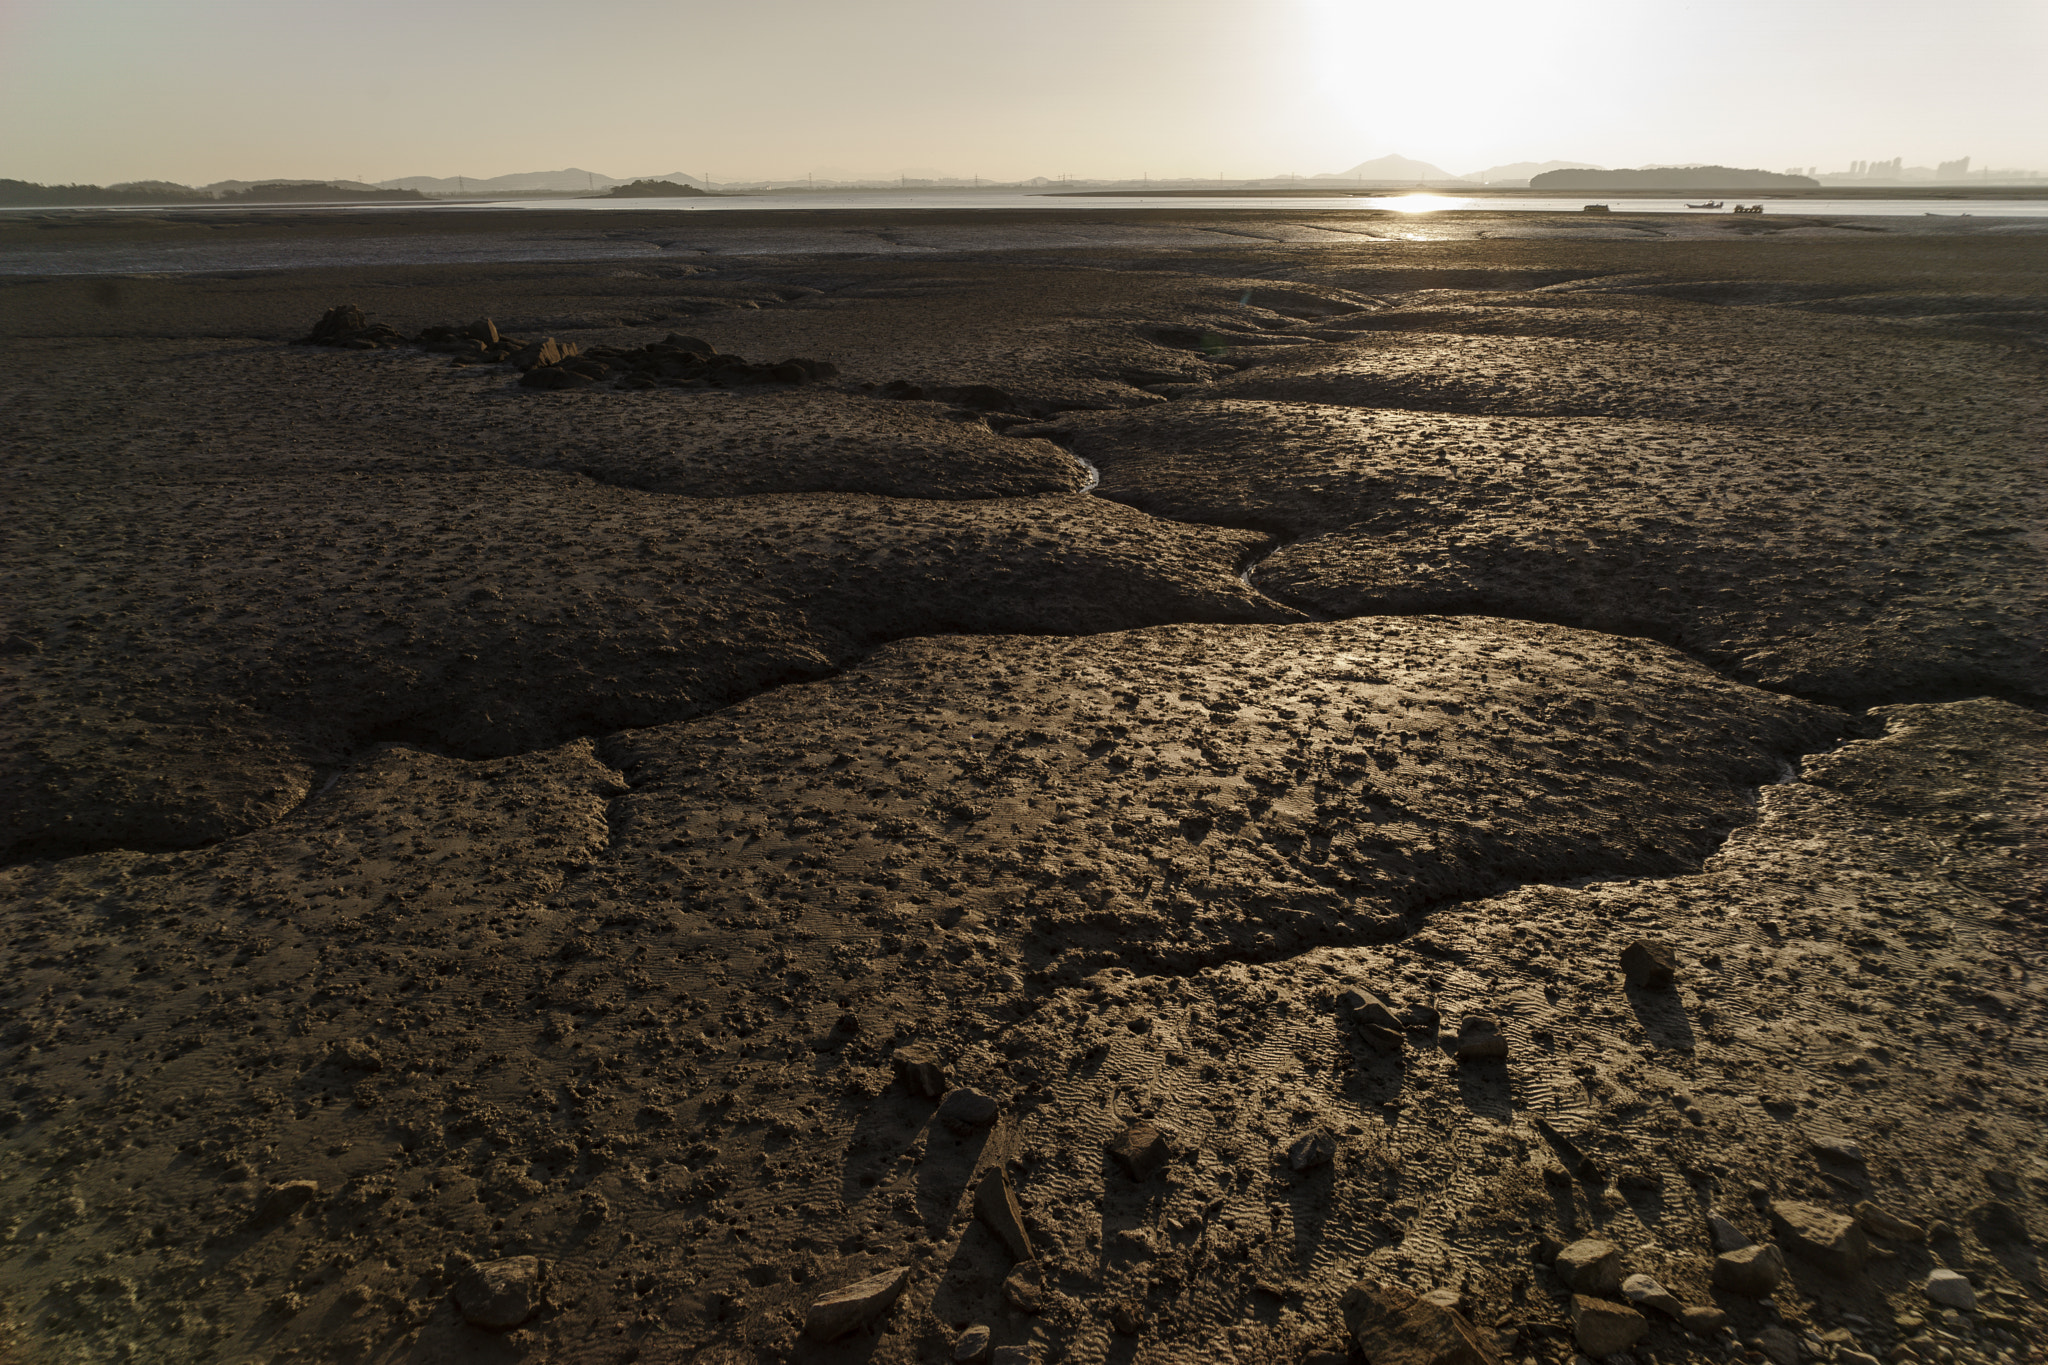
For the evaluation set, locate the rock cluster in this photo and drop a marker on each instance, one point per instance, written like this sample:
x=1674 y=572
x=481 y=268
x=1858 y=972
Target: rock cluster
x=675 y=361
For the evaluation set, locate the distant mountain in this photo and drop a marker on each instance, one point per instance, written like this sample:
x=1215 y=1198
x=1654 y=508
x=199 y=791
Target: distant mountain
x=28 y=194
x=1523 y=170
x=573 y=180
x=1393 y=168
x=1691 y=179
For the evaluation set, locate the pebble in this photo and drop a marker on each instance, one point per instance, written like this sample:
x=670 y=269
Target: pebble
x=1645 y=1292
x=1753 y=1270
x=995 y=1204
x=499 y=1295
x=1590 y=1266
x=1951 y=1289
x=1312 y=1150
x=834 y=1315
x=1833 y=1241
x=920 y=1072
x=1480 y=1038
x=1141 y=1149
x=1881 y=1222
x=965 y=1110
x=971 y=1345
x=1601 y=1327
x=1650 y=963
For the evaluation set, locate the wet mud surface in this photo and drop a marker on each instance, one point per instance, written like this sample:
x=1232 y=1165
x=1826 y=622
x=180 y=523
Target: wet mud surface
x=709 y=840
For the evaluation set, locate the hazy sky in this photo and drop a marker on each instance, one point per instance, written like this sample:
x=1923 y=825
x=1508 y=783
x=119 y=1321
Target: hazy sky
x=203 y=90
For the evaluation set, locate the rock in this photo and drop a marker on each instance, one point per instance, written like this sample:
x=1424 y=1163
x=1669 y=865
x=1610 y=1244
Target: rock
x=1644 y=1292
x=995 y=1204
x=920 y=1071
x=1312 y=1150
x=1420 y=1016
x=844 y=1310
x=1781 y=1345
x=971 y=1344
x=500 y=1295
x=1837 y=1149
x=1831 y=1240
x=1125 y=1319
x=1025 y=1289
x=356 y=1054
x=964 y=1110
x=1883 y=1223
x=1951 y=1289
x=484 y=330
x=1650 y=963
x=1394 y=1326
x=1602 y=1326
x=1753 y=1271
x=1366 y=1008
x=1012 y=1355
x=1479 y=1037
x=338 y=323
x=1590 y=1266
x=280 y=1202
x=1702 y=1321
x=675 y=341
x=1727 y=1237
x=1141 y=1149
x=546 y=351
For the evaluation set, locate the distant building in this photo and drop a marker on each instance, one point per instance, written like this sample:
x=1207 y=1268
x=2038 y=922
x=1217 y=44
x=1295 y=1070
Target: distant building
x=1952 y=170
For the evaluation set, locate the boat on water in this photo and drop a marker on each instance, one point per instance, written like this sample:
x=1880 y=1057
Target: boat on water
x=1714 y=205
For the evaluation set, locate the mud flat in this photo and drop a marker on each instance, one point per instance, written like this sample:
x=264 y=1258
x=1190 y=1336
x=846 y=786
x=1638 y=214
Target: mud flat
x=790 y=872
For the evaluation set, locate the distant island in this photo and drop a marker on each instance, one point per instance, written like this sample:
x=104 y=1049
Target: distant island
x=653 y=189
x=1692 y=179
x=279 y=192
x=28 y=194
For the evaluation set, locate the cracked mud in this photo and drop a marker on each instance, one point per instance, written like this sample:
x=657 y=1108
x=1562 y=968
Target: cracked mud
x=773 y=857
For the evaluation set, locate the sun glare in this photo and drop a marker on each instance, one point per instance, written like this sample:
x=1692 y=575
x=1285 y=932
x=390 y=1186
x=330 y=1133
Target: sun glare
x=1421 y=203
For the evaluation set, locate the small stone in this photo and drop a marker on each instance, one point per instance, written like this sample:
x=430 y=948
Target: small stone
x=484 y=330
x=1367 y=1008
x=1838 y=1149
x=1846 y=1356
x=545 y=352
x=964 y=1110
x=844 y=1310
x=971 y=1345
x=1141 y=1149
x=995 y=1204
x=1753 y=1271
x=1124 y=1318
x=1833 y=1241
x=280 y=1202
x=1025 y=1289
x=1590 y=1266
x=1012 y=1355
x=1394 y=1326
x=1312 y=1150
x=920 y=1072
x=1727 y=1237
x=1480 y=1038
x=1882 y=1222
x=1644 y=1292
x=500 y=1295
x=1951 y=1289
x=1602 y=1327
x=1780 y=1345
x=1702 y=1321
x=1650 y=963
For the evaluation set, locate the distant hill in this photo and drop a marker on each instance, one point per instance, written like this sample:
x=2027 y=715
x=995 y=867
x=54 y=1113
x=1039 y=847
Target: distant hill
x=1523 y=170
x=653 y=189
x=573 y=180
x=298 y=192
x=17 y=194
x=1394 y=168
x=1691 y=179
